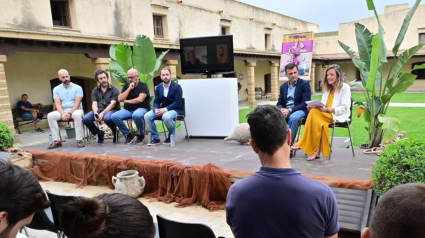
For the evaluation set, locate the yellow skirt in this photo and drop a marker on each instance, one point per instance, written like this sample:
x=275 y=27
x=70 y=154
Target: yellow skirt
x=316 y=132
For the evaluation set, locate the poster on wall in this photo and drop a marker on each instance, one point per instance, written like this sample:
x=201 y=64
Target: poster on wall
x=297 y=48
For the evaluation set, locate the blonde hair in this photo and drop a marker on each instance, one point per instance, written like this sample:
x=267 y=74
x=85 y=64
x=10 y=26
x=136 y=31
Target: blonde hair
x=339 y=81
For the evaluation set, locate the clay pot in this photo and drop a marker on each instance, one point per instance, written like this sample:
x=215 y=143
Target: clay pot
x=128 y=182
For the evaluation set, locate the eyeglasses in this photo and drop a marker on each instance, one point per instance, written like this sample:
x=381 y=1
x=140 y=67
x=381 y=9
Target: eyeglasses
x=131 y=77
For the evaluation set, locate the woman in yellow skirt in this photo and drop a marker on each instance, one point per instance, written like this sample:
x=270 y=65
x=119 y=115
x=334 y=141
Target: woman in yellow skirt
x=337 y=100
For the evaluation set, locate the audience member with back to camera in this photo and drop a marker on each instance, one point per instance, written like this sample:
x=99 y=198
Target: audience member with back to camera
x=20 y=197
x=337 y=98
x=277 y=201
x=107 y=216
x=399 y=214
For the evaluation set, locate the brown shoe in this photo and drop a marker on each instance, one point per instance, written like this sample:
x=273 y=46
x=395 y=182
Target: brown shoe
x=55 y=144
x=80 y=144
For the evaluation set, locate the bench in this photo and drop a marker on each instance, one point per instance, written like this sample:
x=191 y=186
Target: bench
x=17 y=120
x=259 y=92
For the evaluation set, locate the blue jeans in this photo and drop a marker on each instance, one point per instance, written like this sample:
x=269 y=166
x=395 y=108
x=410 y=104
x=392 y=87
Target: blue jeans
x=26 y=116
x=88 y=120
x=292 y=121
x=167 y=117
x=124 y=114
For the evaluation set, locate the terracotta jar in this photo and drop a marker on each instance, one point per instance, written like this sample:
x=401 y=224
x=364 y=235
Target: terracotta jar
x=128 y=182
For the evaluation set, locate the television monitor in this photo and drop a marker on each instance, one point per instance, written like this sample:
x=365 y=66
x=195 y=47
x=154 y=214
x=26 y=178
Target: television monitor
x=207 y=55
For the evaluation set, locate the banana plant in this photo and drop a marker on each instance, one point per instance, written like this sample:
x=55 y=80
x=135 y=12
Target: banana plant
x=378 y=88
x=141 y=56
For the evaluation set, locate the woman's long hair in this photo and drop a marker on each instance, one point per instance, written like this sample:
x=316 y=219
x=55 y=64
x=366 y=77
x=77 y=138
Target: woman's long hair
x=339 y=81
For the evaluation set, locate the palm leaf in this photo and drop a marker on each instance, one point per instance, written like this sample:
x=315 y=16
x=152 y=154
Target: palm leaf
x=158 y=63
x=383 y=50
x=406 y=80
x=402 y=60
x=364 y=73
x=364 y=43
x=144 y=56
x=404 y=27
x=116 y=72
x=390 y=125
x=376 y=46
x=123 y=56
x=112 y=52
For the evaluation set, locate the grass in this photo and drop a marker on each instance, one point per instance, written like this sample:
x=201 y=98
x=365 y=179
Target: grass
x=410 y=118
x=397 y=98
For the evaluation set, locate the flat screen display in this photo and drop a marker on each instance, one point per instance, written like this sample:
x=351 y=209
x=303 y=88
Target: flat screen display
x=207 y=55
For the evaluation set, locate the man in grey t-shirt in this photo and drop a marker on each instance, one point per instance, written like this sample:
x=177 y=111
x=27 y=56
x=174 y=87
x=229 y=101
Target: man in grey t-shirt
x=277 y=201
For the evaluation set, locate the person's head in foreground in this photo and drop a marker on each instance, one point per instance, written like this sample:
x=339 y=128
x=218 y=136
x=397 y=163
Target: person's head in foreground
x=269 y=131
x=20 y=196
x=400 y=213
x=334 y=78
x=112 y=215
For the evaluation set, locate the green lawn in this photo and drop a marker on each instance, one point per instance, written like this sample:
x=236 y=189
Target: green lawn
x=411 y=121
x=398 y=97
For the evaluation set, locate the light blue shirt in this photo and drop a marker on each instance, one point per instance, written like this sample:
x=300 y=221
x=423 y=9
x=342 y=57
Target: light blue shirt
x=67 y=95
x=291 y=95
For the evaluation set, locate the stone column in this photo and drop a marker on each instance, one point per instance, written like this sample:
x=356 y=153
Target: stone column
x=313 y=79
x=250 y=69
x=5 y=110
x=103 y=64
x=324 y=67
x=172 y=64
x=274 y=73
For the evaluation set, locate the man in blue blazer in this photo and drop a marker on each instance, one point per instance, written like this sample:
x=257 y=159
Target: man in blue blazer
x=166 y=106
x=292 y=97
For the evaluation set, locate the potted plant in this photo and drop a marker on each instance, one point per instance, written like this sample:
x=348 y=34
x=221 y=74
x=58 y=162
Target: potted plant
x=141 y=56
x=378 y=88
x=400 y=162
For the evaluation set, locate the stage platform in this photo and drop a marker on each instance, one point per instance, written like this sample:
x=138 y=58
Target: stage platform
x=228 y=155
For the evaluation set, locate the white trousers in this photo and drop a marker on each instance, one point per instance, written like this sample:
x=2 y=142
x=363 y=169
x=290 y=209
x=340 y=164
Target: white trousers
x=55 y=116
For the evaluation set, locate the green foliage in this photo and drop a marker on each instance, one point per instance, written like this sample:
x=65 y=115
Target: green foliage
x=377 y=89
x=141 y=56
x=6 y=138
x=401 y=162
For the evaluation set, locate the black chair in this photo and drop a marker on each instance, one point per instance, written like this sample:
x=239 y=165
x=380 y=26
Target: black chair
x=41 y=221
x=174 y=229
x=178 y=118
x=345 y=124
x=57 y=203
x=297 y=137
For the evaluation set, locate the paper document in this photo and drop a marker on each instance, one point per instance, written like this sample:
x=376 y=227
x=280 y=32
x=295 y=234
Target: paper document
x=315 y=103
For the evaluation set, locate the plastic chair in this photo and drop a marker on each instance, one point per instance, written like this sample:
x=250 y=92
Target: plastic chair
x=345 y=124
x=174 y=229
x=57 y=203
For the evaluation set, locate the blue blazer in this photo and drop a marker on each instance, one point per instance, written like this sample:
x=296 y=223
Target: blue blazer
x=173 y=101
x=302 y=94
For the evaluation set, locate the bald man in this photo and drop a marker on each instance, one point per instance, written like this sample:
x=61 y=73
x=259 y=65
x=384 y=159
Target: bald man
x=136 y=99
x=67 y=97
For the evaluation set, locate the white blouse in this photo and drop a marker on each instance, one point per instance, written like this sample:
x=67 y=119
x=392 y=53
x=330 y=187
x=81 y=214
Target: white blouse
x=341 y=103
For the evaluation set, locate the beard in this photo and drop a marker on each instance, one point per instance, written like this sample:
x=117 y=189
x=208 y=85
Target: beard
x=66 y=82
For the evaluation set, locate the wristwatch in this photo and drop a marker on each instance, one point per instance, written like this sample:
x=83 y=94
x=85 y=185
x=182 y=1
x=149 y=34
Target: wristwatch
x=328 y=110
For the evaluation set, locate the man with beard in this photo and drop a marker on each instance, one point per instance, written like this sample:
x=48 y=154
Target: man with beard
x=166 y=106
x=136 y=98
x=104 y=103
x=67 y=97
x=221 y=58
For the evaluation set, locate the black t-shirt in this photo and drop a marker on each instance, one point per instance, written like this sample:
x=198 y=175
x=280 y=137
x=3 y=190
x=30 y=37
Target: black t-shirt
x=140 y=88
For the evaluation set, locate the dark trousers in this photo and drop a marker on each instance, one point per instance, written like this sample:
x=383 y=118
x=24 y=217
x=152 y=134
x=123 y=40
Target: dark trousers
x=88 y=120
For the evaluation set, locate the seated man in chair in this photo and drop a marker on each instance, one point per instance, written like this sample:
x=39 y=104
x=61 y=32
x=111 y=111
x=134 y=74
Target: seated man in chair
x=292 y=97
x=104 y=103
x=136 y=99
x=68 y=97
x=166 y=106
